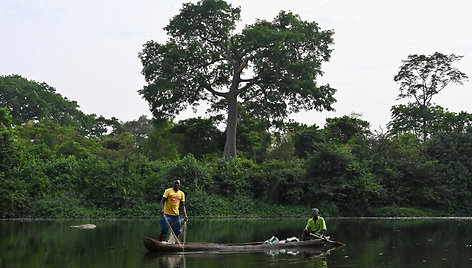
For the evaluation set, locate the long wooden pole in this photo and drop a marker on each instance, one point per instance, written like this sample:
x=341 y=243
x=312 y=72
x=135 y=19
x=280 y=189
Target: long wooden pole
x=336 y=243
x=172 y=231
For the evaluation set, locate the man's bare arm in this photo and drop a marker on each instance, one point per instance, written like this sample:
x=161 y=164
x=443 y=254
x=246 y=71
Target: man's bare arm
x=163 y=201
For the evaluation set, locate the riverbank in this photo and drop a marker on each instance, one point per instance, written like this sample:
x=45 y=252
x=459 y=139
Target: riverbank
x=227 y=210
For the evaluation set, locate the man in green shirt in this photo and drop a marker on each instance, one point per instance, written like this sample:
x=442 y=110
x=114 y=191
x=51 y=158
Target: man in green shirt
x=315 y=225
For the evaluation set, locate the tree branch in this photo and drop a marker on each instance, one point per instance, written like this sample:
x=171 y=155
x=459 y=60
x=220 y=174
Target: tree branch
x=241 y=67
x=254 y=79
x=211 y=90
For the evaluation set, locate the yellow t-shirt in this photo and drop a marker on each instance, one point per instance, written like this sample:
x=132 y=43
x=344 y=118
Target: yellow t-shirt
x=172 y=204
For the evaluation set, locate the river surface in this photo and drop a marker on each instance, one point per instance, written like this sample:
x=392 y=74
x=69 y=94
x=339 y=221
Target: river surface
x=445 y=242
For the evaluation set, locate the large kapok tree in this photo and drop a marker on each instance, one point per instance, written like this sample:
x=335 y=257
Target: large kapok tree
x=271 y=68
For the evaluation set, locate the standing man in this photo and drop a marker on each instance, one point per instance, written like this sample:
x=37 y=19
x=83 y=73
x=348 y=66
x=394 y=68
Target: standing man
x=172 y=199
x=315 y=225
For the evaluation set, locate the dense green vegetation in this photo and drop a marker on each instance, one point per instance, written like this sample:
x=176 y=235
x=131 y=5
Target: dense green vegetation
x=56 y=161
x=57 y=168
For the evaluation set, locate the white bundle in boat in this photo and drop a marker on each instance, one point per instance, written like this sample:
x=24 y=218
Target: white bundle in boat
x=275 y=240
x=290 y=239
x=272 y=240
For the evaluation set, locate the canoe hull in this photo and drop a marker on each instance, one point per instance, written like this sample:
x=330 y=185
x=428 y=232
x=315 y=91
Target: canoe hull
x=154 y=245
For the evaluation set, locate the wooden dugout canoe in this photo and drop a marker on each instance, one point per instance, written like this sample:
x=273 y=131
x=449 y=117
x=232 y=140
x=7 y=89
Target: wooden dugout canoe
x=154 y=245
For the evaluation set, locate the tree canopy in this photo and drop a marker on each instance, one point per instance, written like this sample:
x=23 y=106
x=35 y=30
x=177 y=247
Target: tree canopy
x=29 y=100
x=421 y=77
x=271 y=68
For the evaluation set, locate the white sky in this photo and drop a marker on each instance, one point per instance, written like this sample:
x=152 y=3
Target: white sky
x=88 y=49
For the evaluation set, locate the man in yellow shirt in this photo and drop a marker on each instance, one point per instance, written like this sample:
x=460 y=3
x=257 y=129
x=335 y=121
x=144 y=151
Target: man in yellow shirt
x=315 y=225
x=172 y=199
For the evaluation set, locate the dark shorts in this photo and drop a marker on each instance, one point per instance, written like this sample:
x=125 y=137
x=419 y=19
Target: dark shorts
x=174 y=222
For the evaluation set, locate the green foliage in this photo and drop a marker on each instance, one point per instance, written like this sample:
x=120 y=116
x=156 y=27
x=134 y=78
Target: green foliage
x=51 y=168
x=199 y=137
x=454 y=122
x=7 y=142
x=14 y=195
x=29 y=100
x=13 y=187
x=343 y=129
x=139 y=129
x=286 y=56
x=161 y=144
x=410 y=177
x=253 y=136
x=281 y=183
x=117 y=147
x=189 y=171
x=5 y=118
x=233 y=178
x=62 y=206
x=408 y=119
x=194 y=55
x=453 y=153
x=434 y=119
x=56 y=172
x=283 y=148
x=305 y=140
x=336 y=176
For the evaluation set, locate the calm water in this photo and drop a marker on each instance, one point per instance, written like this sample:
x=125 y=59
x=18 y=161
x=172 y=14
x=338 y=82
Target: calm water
x=369 y=243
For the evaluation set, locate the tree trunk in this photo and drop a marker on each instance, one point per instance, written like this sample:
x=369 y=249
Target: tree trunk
x=231 y=127
x=424 y=123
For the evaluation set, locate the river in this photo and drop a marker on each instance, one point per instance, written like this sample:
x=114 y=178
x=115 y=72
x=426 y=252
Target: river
x=369 y=242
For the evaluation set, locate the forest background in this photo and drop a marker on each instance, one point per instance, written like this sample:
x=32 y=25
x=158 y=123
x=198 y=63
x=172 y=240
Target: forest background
x=58 y=162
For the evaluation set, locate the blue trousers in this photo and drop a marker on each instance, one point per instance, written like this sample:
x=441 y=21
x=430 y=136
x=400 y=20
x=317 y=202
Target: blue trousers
x=174 y=222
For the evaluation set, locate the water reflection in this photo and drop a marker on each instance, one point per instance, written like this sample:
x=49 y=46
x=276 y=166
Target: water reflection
x=311 y=257
x=165 y=260
x=369 y=243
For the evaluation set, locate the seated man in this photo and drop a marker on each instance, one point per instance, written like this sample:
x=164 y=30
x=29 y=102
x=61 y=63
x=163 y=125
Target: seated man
x=315 y=225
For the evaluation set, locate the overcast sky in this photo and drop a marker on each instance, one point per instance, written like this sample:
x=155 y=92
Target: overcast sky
x=88 y=49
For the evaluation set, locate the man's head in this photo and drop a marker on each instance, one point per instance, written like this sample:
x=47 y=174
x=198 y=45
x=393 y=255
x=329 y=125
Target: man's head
x=315 y=212
x=176 y=184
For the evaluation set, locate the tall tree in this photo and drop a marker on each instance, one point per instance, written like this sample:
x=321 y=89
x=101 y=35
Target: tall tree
x=421 y=77
x=29 y=100
x=271 y=68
